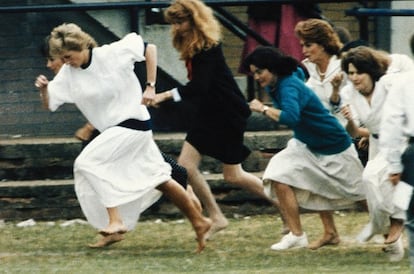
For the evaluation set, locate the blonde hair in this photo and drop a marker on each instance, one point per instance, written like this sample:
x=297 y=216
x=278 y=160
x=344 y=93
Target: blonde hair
x=69 y=36
x=205 y=31
x=320 y=32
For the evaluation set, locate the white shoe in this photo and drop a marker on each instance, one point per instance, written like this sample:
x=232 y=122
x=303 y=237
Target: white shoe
x=366 y=234
x=395 y=250
x=291 y=241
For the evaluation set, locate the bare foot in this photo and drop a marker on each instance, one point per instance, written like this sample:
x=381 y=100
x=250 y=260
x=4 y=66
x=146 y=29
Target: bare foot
x=327 y=239
x=107 y=240
x=201 y=232
x=194 y=198
x=395 y=231
x=113 y=228
x=216 y=227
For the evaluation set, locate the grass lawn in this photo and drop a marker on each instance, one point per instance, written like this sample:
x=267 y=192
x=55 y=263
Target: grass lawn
x=167 y=247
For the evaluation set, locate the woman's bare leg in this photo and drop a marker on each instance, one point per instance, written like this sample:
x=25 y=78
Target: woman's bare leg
x=289 y=207
x=178 y=195
x=115 y=223
x=236 y=175
x=195 y=199
x=330 y=236
x=190 y=159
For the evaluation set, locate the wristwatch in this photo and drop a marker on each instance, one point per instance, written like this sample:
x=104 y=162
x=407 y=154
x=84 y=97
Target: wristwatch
x=150 y=84
x=265 y=108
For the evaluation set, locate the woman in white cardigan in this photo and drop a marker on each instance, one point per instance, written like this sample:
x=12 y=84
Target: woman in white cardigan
x=367 y=70
x=321 y=47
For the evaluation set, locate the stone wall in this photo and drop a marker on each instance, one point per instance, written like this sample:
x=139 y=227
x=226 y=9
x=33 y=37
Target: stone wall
x=37 y=176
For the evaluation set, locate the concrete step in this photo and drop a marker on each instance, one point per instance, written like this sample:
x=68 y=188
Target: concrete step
x=37 y=180
x=52 y=158
x=56 y=199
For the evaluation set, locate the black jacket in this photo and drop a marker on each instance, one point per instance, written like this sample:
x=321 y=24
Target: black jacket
x=219 y=102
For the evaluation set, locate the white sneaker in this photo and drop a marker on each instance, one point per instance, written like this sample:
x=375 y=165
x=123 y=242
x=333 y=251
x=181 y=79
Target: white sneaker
x=291 y=241
x=366 y=234
x=395 y=250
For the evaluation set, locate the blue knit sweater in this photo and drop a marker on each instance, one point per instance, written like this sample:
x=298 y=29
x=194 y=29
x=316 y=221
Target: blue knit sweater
x=303 y=112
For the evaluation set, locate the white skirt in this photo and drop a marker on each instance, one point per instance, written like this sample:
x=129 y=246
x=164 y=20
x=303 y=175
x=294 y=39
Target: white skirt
x=320 y=182
x=379 y=191
x=373 y=147
x=119 y=168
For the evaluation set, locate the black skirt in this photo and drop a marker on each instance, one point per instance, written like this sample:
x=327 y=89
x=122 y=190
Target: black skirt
x=222 y=144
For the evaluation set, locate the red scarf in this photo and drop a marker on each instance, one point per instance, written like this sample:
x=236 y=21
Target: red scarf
x=189 y=66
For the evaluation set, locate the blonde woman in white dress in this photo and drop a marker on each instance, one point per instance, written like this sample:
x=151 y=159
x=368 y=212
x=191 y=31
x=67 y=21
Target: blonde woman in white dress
x=121 y=172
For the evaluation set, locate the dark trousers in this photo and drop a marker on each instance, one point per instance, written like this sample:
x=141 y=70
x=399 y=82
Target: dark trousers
x=407 y=160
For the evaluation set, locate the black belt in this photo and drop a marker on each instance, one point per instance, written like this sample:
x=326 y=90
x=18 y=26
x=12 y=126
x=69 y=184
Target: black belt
x=410 y=140
x=136 y=124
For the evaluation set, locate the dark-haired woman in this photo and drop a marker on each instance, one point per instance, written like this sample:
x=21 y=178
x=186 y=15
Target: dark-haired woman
x=319 y=169
x=367 y=69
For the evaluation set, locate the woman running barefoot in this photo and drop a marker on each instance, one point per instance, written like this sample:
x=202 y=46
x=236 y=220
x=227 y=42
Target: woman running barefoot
x=121 y=172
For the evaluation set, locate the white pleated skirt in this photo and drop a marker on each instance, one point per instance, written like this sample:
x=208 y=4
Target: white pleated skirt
x=119 y=168
x=320 y=182
x=380 y=193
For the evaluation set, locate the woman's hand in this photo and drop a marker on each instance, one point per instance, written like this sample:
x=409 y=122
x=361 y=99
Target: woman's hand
x=256 y=105
x=41 y=82
x=148 y=96
x=395 y=178
x=161 y=97
x=363 y=143
x=346 y=112
x=270 y=112
x=337 y=81
x=84 y=133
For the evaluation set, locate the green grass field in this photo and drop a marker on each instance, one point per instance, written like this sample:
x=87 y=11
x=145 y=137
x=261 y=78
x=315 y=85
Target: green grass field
x=168 y=247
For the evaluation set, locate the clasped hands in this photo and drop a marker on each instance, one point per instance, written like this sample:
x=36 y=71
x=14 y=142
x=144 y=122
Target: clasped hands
x=155 y=99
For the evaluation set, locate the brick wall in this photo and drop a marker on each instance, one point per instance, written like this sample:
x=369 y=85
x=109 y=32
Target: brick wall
x=335 y=12
x=20 y=61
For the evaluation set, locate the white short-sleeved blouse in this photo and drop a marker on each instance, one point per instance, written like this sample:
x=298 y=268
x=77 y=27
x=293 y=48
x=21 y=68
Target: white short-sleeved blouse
x=111 y=69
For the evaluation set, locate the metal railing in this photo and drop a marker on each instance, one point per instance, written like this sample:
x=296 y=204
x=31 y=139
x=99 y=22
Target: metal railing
x=363 y=14
x=229 y=21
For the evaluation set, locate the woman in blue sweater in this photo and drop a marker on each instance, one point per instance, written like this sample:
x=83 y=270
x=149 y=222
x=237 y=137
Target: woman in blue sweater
x=319 y=169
